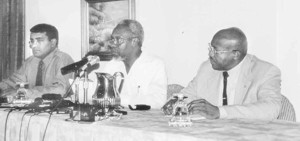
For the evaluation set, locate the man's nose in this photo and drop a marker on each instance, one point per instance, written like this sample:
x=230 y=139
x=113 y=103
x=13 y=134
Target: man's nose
x=33 y=44
x=211 y=53
x=112 y=46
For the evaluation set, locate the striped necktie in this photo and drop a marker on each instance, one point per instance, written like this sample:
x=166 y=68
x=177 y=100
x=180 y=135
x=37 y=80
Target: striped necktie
x=39 y=75
x=225 y=75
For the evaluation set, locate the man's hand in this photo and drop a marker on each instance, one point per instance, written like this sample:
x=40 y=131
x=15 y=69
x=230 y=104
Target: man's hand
x=168 y=107
x=204 y=108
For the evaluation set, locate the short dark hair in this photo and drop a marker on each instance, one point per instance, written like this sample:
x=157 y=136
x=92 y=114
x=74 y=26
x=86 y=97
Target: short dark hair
x=50 y=30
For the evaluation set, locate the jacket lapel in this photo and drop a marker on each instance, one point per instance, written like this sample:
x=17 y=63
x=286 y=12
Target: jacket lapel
x=213 y=87
x=245 y=80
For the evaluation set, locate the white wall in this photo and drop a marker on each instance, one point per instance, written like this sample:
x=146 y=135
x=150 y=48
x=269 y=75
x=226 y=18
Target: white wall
x=64 y=15
x=179 y=31
x=288 y=50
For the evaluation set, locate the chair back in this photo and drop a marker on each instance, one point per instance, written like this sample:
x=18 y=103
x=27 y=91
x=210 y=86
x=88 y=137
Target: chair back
x=287 y=111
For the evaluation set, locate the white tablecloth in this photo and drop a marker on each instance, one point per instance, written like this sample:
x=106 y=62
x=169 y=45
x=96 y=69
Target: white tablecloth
x=140 y=125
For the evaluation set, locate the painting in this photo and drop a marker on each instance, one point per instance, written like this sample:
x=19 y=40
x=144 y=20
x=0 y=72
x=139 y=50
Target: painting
x=99 y=17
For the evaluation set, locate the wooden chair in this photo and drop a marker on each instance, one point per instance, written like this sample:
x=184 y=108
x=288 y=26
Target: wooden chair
x=287 y=111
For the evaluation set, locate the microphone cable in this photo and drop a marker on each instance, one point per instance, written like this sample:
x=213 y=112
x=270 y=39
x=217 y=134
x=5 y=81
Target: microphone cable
x=29 y=124
x=55 y=107
x=20 y=133
x=59 y=102
x=47 y=125
x=5 y=127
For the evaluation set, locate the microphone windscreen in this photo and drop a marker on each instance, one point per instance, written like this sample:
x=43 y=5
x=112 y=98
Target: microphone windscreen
x=35 y=105
x=51 y=96
x=38 y=100
x=73 y=67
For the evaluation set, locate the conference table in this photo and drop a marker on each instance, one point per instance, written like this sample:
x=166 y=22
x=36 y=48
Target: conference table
x=139 y=125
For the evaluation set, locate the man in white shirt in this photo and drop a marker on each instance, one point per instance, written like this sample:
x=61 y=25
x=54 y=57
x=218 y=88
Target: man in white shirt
x=145 y=76
x=232 y=83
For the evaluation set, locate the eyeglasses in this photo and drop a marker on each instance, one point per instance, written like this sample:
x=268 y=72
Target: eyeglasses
x=214 y=51
x=119 y=40
x=37 y=41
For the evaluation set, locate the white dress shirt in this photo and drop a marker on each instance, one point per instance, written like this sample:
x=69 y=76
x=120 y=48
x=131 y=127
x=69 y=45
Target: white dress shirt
x=233 y=76
x=146 y=82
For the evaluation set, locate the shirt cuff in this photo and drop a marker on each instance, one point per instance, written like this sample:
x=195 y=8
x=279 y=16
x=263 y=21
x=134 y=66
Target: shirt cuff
x=223 y=113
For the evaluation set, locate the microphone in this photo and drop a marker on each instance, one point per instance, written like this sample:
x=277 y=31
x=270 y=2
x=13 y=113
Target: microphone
x=80 y=65
x=92 y=60
x=35 y=105
x=73 y=67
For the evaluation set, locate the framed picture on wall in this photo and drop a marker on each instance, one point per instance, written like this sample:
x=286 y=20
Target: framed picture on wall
x=99 y=17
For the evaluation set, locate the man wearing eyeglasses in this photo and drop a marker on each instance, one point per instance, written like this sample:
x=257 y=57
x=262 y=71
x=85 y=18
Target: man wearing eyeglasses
x=145 y=75
x=41 y=72
x=232 y=83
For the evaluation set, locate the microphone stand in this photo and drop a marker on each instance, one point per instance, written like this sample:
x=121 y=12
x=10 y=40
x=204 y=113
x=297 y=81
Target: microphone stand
x=85 y=87
x=85 y=111
x=82 y=111
x=77 y=78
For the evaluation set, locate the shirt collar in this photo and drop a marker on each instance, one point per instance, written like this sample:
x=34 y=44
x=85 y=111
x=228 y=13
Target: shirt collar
x=49 y=57
x=136 y=62
x=235 y=70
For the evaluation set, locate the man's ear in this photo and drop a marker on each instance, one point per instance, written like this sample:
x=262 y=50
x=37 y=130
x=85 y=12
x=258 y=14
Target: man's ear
x=237 y=54
x=135 y=41
x=53 y=42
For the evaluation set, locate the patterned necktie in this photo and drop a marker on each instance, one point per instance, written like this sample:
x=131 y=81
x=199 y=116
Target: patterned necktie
x=39 y=75
x=225 y=75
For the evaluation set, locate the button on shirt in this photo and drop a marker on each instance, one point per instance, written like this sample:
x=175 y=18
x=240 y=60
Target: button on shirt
x=231 y=85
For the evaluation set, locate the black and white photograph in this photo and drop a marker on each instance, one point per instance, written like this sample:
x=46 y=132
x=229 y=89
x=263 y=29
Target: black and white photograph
x=159 y=70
